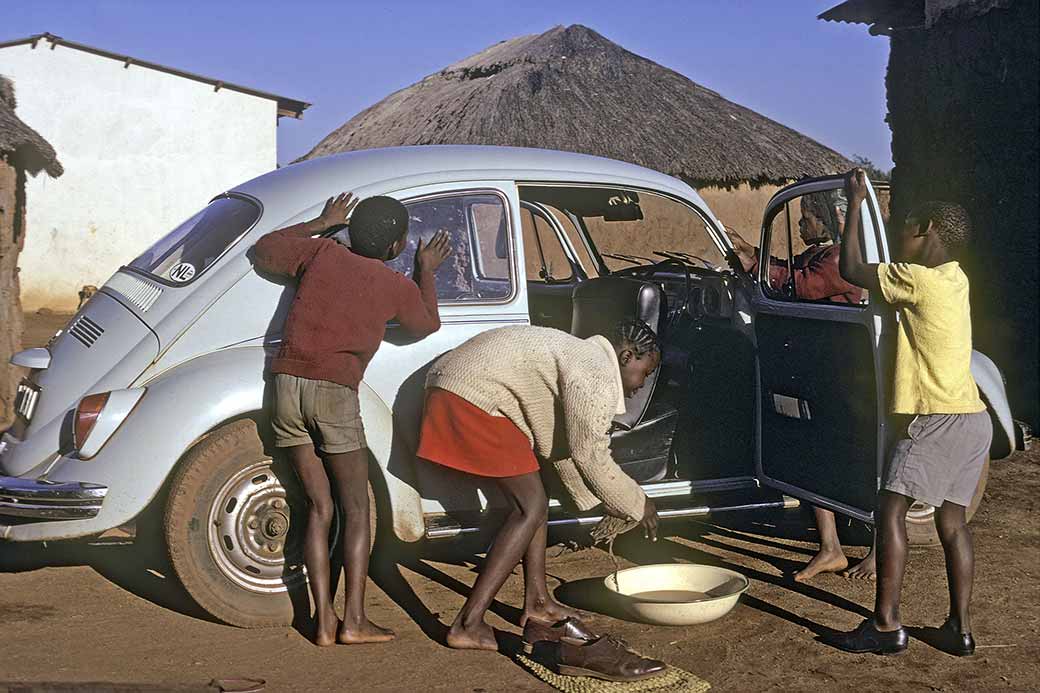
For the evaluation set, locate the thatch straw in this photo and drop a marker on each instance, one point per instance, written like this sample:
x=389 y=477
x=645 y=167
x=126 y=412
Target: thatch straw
x=572 y=89
x=20 y=143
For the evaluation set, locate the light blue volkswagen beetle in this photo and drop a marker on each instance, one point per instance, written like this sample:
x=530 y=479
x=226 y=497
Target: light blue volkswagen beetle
x=153 y=396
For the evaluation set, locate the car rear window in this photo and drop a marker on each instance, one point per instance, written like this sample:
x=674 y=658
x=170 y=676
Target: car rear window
x=183 y=254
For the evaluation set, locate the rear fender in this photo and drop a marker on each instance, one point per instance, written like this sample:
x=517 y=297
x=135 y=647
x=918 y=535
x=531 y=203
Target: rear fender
x=991 y=384
x=181 y=406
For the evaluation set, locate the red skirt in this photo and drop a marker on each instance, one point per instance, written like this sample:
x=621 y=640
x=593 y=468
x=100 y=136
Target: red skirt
x=460 y=435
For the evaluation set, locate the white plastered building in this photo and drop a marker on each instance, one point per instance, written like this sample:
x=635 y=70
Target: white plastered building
x=144 y=147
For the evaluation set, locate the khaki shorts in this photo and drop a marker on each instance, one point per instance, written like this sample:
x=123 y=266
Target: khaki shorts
x=941 y=458
x=316 y=412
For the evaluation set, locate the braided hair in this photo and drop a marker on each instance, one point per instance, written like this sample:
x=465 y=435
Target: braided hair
x=636 y=335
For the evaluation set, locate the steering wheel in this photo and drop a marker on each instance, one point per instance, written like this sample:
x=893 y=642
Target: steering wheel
x=649 y=270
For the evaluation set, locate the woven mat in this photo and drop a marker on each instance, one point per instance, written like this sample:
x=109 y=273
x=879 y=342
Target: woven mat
x=671 y=680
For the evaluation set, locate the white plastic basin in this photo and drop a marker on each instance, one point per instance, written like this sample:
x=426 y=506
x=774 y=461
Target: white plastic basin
x=686 y=593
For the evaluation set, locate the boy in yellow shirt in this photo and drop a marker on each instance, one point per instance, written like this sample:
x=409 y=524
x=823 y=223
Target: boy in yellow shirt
x=940 y=459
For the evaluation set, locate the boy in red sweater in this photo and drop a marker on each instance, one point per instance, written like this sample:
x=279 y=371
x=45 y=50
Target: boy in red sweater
x=344 y=299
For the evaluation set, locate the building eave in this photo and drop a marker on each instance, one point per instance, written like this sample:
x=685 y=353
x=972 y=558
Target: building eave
x=287 y=107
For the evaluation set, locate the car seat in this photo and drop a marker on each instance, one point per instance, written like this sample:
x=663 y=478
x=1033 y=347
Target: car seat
x=641 y=437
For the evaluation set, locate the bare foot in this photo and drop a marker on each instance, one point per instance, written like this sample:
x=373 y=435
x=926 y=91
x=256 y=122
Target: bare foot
x=350 y=634
x=548 y=611
x=823 y=562
x=325 y=628
x=864 y=570
x=480 y=637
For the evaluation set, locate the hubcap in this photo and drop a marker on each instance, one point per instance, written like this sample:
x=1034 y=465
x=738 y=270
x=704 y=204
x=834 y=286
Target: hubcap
x=920 y=512
x=252 y=536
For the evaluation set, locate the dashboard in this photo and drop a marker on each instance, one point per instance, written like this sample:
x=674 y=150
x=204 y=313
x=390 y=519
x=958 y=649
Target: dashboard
x=692 y=293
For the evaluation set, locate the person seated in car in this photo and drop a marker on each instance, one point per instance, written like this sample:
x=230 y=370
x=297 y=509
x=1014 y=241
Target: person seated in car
x=506 y=401
x=816 y=276
x=816 y=279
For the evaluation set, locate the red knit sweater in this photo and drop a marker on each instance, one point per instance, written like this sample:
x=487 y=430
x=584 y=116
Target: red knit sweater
x=343 y=302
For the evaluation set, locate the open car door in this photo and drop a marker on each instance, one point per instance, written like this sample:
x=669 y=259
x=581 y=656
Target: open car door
x=821 y=347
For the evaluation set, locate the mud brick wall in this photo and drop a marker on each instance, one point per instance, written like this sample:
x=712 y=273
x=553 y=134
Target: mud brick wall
x=12 y=237
x=962 y=102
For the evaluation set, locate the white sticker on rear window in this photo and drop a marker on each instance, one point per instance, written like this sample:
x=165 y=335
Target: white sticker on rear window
x=182 y=272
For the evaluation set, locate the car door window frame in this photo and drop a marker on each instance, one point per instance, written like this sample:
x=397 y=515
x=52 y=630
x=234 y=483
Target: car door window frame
x=578 y=272
x=472 y=240
x=878 y=252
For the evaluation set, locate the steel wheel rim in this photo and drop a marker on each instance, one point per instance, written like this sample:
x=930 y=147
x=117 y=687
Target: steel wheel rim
x=250 y=533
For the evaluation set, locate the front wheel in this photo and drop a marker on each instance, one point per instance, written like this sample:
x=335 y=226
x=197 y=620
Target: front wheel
x=234 y=529
x=920 y=519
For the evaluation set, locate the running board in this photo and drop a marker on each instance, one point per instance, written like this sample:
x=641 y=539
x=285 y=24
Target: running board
x=447 y=531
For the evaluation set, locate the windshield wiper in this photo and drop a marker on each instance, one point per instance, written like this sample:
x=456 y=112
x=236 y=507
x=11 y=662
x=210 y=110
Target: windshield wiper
x=634 y=259
x=684 y=257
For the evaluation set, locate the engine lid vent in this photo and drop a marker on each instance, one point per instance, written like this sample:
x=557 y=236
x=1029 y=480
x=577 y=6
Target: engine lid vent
x=86 y=331
x=138 y=291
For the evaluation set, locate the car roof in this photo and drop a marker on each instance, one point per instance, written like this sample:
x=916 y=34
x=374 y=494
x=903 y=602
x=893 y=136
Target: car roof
x=383 y=170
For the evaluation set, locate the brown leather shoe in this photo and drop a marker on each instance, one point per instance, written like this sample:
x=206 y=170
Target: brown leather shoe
x=605 y=658
x=570 y=630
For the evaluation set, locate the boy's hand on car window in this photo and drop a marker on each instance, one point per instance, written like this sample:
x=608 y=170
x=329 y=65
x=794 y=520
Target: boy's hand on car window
x=649 y=521
x=337 y=209
x=429 y=256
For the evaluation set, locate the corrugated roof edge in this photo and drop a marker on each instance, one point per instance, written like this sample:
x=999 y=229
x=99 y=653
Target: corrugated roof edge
x=292 y=108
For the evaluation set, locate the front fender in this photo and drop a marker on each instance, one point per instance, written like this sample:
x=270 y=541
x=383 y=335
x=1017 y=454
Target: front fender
x=991 y=385
x=180 y=407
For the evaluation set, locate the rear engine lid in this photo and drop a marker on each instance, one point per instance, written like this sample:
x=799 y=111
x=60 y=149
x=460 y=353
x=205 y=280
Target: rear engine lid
x=104 y=347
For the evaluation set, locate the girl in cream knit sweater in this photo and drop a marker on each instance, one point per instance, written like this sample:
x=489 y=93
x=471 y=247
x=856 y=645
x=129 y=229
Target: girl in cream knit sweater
x=507 y=400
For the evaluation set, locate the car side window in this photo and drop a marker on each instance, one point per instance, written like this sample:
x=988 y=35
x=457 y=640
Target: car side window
x=545 y=259
x=804 y=247
x=477 y=223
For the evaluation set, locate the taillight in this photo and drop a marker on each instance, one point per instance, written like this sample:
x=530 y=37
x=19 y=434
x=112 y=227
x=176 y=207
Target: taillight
x=86 y=416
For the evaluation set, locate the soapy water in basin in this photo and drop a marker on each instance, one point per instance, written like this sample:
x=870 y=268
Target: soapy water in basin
x=682 y=596
x=670 y=596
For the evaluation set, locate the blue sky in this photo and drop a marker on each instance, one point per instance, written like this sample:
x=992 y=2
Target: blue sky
x=821 y=78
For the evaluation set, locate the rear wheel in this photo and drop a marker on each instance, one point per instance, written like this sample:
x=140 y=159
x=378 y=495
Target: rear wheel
x=234 y=529
x=920 y=519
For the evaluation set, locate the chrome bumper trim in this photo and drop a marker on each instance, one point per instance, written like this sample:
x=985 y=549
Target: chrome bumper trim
x=448 y=530
x=50 y=500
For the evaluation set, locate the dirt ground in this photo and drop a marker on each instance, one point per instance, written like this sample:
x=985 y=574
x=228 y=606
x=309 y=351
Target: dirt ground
x=76 y=613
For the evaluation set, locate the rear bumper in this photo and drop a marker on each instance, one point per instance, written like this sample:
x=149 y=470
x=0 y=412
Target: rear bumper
x=48 y=500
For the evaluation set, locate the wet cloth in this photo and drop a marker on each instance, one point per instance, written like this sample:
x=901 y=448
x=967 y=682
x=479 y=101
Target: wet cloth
x=562 y=392
x=941 y=459
x=316 y=411
x=933 y=339
x=462 y=436
x=338 y=317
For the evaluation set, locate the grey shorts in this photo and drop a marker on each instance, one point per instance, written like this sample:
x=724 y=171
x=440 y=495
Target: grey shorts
x=316 y=412
x=941 y=458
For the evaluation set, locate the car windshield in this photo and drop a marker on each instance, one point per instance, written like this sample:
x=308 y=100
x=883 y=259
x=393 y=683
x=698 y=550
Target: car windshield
x=186 y=252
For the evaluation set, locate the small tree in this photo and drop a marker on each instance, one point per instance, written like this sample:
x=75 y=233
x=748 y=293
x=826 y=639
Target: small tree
x=873 y=172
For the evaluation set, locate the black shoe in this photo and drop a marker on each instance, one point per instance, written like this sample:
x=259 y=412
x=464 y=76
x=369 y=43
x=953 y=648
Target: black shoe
x=867 y=638
x=954 y=642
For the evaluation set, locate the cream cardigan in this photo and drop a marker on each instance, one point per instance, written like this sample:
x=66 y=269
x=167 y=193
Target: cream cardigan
x=562 y=392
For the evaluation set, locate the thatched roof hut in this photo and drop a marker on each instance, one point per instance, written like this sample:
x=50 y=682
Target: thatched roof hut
x=572 y=89
x=19 y=143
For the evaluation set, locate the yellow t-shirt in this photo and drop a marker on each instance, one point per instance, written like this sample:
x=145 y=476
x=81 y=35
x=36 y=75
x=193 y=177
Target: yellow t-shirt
x=933 y=340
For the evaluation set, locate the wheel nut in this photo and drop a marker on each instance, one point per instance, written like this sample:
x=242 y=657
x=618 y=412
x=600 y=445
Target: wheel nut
x=253 y=524
x=278 y=503
x=272 y=547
